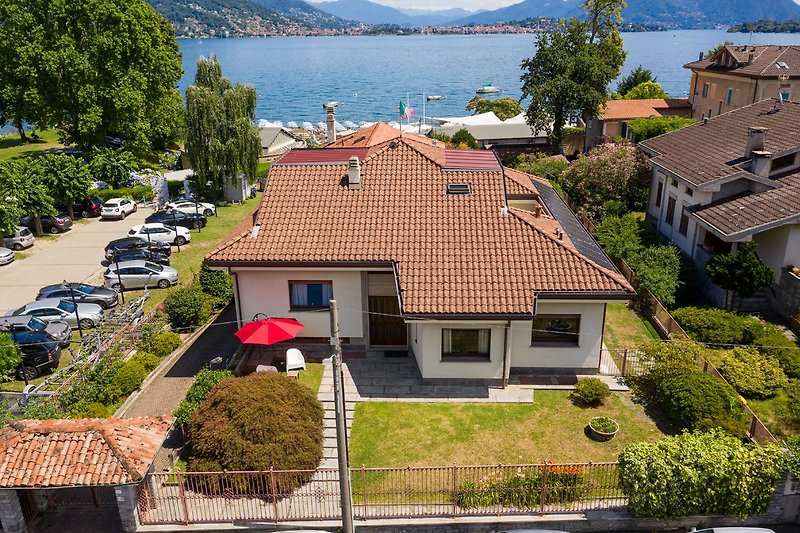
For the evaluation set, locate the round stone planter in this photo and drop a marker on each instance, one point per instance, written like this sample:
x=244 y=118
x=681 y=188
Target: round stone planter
x=602 y=436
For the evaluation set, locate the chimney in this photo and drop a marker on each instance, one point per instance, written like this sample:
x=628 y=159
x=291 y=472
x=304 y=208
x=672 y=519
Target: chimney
x=701 y=56
x=755 y=140
x=354 y=173
x=331 y=122
x=762 y=163
x=750 y=58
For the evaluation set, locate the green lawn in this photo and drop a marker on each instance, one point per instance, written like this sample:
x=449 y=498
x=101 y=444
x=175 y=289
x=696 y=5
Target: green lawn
x=12 y=148
x=66 y=358
x=626 y=329
x=311 y=377
x=396 y=434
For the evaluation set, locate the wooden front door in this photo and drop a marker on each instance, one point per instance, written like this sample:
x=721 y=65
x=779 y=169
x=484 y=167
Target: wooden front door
x=386 y=327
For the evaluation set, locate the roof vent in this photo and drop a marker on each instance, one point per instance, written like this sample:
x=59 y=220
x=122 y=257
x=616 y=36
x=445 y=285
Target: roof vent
x=254 y=231
x=459 y=188
x=705 y=120
x=354 y=173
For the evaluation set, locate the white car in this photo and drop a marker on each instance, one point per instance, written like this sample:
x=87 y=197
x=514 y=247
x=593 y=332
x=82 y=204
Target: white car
x=190 y=206
x=118 y=208
x=6 y=256
x=155 y=231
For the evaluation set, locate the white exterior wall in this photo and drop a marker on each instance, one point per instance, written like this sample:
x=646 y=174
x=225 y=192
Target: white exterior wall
x=426 y=342
x=585 y=355
x=267 y=291
x=779 y=247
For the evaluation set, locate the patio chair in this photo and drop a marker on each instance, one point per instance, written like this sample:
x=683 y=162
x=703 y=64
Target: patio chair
x=294 y=360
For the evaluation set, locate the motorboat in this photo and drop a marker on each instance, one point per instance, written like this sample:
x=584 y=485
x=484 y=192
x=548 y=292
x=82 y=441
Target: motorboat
x=487 y=88
x=435 y=97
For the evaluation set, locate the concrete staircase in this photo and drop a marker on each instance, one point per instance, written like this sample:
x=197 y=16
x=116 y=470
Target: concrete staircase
x=330 y=454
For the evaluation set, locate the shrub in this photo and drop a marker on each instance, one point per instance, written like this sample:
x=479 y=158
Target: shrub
x=10 y=357
x=657 y=269
x=85 y=409
x=541 y=164
x=699 y=474
x=127 y=379
x=217 y=284
x=465 y=138
x=188 y=307
x=619 y=236
x=523 y=489
x=771 y=342
x=752 y=374
x=603 y=424
x=258 y=422
x=713 y=325
x=647 y=128
x=148 y=361
x=43 y=409
x=590 y=391
x=164 y=343
x=204 y=381
x=134 y=193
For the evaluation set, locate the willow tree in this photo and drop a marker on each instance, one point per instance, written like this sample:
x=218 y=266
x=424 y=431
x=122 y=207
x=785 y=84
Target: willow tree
x=221 y=135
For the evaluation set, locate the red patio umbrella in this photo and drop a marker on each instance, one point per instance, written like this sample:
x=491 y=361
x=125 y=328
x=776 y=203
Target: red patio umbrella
x=269 y=331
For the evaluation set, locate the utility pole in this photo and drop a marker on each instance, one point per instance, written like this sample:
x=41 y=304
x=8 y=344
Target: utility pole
x=345 y=489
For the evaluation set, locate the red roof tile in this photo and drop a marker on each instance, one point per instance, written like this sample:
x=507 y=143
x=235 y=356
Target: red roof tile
x=321 y=157
x=470 y=160
x=92 y=451
x=633 y=109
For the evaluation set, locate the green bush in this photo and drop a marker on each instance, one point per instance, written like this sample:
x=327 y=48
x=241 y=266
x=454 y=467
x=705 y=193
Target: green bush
x=86 y=409
x=10 y=357
x=771 y=342
x=590 y=391
x=524 y=489
x=715 y=326
x=217 y=284
x=134 y=193
x=464 y=137
x=752 y=374
x=619 y=236
x=258 y=422
x=647 y=128
x=148 y=361
x=658 y=269
x=127 y=379
x=188 y=307
x=43 y=409
x=164 y=343
x=699 y=474
x=204 y=381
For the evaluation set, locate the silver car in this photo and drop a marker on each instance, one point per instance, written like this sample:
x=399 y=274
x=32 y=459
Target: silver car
x=21 y=238
x=6 y=256
x=57 y=329
x=139 y=274
x=51 y=309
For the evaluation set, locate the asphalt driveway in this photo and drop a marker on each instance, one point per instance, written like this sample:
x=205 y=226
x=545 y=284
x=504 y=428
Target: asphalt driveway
x=74 y=256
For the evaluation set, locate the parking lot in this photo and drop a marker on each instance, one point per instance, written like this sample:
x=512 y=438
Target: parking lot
x=74 y=256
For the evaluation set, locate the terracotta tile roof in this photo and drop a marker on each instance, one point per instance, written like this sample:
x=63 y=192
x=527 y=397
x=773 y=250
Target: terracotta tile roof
x=632 y=109
x=454 y=254
x=755 y=211
x=316 y=156
x=92 y=451
x=378 y=133
x=769 y=61
x=703 y=152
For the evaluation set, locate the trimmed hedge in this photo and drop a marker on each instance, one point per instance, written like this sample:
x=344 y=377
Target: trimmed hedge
x=217 y=284
x=134 y=193
x=590 y=391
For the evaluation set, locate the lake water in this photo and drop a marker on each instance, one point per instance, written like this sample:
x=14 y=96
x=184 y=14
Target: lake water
x=369 y=75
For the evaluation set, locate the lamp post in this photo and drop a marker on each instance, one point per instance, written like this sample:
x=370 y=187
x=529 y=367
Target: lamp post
x=11 y=330
x=119 y=280
x=175 y=229
x=66 y=285
x=197 y=212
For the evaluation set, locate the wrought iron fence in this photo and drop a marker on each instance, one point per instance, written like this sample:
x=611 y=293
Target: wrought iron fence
x=413 y=492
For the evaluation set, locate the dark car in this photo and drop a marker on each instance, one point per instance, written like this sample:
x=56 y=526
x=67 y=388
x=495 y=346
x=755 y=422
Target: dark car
x=90 y=207
x=83 y=293
x=57 y=329
x=136 y=243
x=50 y=223
x=178 y=218
x=141 y=253
x=40 y=353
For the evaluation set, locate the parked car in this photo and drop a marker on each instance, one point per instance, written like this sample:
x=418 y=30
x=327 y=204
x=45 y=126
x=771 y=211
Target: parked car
x=57 y=309
x=50 y=223
x=161 y=233
x=59 y=330
x=83 y=293
x=140 y=253
x=190 y=206
x=177 y=218
x=118 y=208
x=20 y=239
x=136 y=243
x=734 y=529
x=40 y=353
x=91 y=207
x=139 y=275
x=6 y=256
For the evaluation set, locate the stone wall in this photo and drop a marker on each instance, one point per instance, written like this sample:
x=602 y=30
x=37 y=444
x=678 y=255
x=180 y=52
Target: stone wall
x=786 y=294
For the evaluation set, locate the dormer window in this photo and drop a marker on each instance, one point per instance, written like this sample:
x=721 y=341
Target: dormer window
x=459 y=188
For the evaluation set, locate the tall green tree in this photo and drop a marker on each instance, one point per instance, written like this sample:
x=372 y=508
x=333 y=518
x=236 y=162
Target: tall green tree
x=67 y=178
x=25 y=184
x=573 y=65
x=646 y=90
x=112 y=166
x=743 y=272
x=91 y=68
x=505 y=108
x=221 y=135
x=635 y=77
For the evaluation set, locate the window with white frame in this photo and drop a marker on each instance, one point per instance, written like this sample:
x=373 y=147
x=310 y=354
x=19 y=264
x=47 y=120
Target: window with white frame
x=310 y=294
x=466 y=343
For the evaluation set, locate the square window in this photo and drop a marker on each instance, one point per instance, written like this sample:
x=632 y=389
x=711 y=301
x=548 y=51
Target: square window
x=556 y=329
x=310 y=294
x=457 y=343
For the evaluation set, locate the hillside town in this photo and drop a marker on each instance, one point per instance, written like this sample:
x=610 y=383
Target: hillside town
x=574 y=311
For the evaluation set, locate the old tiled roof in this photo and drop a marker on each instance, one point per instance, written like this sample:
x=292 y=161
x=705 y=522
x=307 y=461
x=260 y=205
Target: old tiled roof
x=454 y=254
x=632 y=109
x=374 y=135
x=768 y=61
x=745 y=213
x=92 y=451
x=704 y=152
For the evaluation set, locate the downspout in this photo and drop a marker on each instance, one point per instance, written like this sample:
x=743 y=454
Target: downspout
x=506 y=353
x=237 y=302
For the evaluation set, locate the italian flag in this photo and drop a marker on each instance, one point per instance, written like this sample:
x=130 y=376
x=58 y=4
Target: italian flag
x=405 y=110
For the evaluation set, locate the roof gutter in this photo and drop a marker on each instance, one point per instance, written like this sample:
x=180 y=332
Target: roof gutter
x=297 y=264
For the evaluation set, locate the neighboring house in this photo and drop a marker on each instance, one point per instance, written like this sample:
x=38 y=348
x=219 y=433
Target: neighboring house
x=91 y=461
x=733 y=178
x=476 y=270
x=507 y=137
x=615 y=114
x=277 y=140
x=739 y=75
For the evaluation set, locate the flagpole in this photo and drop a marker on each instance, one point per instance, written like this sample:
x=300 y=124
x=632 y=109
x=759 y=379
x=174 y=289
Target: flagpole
x=408 y=115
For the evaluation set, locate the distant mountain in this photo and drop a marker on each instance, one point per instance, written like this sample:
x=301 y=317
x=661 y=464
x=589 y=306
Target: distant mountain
x=373 y=13
x=305 y=12
x=674 y=13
